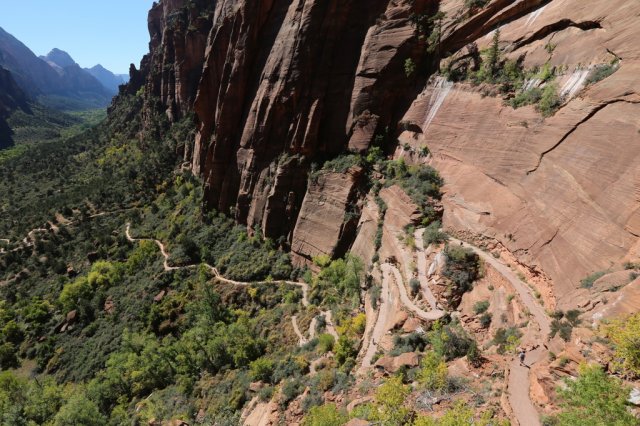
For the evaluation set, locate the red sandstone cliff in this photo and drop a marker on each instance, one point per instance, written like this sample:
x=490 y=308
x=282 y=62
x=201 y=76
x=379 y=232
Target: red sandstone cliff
x=276 y=85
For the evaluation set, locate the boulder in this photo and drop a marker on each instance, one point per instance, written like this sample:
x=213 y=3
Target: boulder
x=393 y=364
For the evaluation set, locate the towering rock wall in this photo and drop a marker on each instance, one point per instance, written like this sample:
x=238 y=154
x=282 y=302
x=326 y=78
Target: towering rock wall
x=276 y=85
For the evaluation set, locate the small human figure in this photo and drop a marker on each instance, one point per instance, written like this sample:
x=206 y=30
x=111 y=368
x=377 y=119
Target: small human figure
x=521 y=355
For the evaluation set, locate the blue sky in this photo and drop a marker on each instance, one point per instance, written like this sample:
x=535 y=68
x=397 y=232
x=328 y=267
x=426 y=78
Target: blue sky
x=110 y=32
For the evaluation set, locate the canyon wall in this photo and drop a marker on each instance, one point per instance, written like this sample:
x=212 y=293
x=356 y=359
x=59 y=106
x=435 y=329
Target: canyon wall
x=278 y=85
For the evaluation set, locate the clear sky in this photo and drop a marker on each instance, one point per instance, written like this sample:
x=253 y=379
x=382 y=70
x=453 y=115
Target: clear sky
x=108 y=32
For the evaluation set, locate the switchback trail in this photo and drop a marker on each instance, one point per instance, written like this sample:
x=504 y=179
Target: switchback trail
x=392 y=274
x=385 y=310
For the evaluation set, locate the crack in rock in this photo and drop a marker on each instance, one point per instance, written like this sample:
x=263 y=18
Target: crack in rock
x=591 y=114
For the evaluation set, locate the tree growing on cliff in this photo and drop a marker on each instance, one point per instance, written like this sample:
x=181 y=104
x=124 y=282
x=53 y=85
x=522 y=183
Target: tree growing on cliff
x=493 y=56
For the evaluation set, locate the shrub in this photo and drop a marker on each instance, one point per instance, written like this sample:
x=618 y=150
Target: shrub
x=312 y=399
x=261 y=369
x=290 y=390
x=325 y=415
x=474 y=356
x=485 y=320
x=433 y=373
x=421 y=183
x=389 y=406
x=409 y=67
x=8 y=356
x=550 y=100
x=527 y=97
x=413 y=342
x=481 y=307
x=573 y=316
x=79 y=410
x=462 y=269
x=433 y=235
x=600 y=72
x=460 y=414
x=344 y=350
x=325 y=343
x=266 y=393
x=507 y=339
x=414 y=285
x=449 y=341
x=625 y=335
x=562 y=328
x=473 y=4
x=589 y=280
x=76 y=294
x=374 y=295
x=338 y=281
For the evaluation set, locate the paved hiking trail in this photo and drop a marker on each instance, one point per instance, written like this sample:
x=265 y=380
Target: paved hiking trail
x=519 y=381
x=422 y=270
x=385 y=310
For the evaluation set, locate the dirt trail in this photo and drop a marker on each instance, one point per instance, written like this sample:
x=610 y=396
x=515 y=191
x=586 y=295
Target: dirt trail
x=304 y=286
x=519 y=381
x=385 y=310
x=422 y=270
x=214 y=270
x=302 y=340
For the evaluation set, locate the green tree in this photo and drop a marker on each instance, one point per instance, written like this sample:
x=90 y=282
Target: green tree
x=461 y=415
x=625 y=335
x=433 y=373
x=79 y=410
x=325 y=415
x=325 y=342
x=261 y=369
x=594 y=398
x=344 y=350
x=388 y=407
x=493 y=56
x=8 y=356
x=76 y=294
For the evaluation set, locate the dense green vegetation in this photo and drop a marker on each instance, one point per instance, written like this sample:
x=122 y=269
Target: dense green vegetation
x=594 y=398
x=110 y=336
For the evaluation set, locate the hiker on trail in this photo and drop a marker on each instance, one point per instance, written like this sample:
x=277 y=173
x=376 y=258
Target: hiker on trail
x=521 y=356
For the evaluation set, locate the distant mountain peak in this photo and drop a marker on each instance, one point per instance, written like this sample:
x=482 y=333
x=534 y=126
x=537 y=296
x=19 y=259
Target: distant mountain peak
x=108 y=79
x=60 y=58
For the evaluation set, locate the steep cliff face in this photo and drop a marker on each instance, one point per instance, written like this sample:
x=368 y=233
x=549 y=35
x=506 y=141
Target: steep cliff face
x=276 y=85
x=303 y=79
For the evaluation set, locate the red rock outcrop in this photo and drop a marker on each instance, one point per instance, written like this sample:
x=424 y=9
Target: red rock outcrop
x=328 y=217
